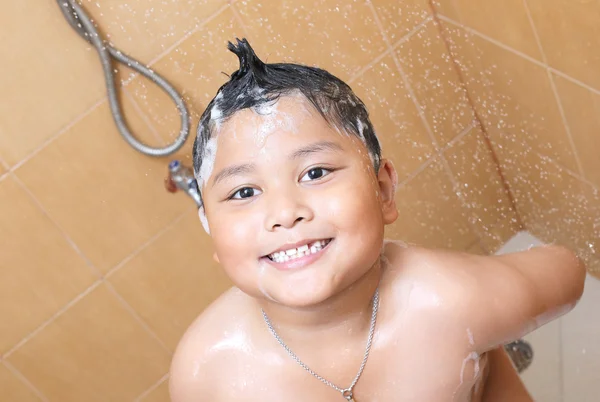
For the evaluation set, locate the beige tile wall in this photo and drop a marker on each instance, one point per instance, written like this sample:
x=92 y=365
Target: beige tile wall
x=532 y=69
x=101 y=270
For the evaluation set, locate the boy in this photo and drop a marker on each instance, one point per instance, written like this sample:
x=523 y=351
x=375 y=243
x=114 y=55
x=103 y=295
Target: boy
x=295 y=197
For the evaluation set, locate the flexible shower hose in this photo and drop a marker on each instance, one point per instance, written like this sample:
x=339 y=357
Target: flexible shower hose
x=82 y=24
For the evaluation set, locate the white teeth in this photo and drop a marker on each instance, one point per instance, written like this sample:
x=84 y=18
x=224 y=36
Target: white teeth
x=291 y=254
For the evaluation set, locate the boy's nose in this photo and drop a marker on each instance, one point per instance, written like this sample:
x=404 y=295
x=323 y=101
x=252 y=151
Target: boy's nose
x=285 y=210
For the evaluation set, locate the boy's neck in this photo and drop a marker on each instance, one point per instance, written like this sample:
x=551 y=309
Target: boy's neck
x=348 y=312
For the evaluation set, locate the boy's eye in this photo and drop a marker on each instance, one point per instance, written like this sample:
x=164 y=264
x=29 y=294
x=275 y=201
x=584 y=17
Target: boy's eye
x=315 y=173
x=244 y=192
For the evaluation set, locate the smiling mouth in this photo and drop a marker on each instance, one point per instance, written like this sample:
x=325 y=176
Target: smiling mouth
x=299 y=252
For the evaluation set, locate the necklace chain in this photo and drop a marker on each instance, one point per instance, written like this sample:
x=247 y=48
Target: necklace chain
x=346 y=392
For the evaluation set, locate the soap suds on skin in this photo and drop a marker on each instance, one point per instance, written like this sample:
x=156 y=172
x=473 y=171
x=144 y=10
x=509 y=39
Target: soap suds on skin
x=208 y=161
x=203 y=220
x=472 y=356
x=261 y=274
x=273 y=120
x=470 y=335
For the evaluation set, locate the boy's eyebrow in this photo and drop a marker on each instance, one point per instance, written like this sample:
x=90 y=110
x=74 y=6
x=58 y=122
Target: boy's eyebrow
x=316 y=147
x=299 y=153
x=232 y=171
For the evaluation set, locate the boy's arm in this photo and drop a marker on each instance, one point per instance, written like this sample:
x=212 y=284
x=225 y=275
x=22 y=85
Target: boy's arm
x=510 y=295
x=188 y=382
x=194 y=375
x=503 y=382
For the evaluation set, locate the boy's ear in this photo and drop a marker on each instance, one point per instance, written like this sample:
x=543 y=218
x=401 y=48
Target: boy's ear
x=388 y=180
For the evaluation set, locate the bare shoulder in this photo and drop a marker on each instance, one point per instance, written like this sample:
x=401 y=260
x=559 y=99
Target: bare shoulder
x=198 y=363
x=497 y=298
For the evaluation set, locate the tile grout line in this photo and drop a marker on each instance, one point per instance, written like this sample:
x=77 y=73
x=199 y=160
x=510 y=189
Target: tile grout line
x=492 y=40
x=100 y=279
x=574 y=80
x=416 y=172
x=436 y=155
x=104 y=97
x=460 y=136
x=389 y=50
x=136 y=316
x=143 y=115
x=238 y=17
x=411 y=33
x=538 y=42
x=175 y=44
x=25 y=381
x=518 y=53
x=440 y=155
x=11 y=170
x=57 y=314
x=565 y=123
x=492 y=152
x=151 y=388
x=565 y=169
x=62 y=231
x=368 y=66
x=554 y=89
x=58 y=134
x=145 y=245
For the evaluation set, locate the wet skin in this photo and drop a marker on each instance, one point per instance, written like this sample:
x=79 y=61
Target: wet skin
x=443 y=315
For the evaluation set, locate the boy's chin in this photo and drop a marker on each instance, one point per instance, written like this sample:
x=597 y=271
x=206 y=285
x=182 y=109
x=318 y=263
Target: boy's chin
x=300 y=297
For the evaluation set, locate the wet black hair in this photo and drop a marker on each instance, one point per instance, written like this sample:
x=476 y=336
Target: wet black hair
x=256 y=83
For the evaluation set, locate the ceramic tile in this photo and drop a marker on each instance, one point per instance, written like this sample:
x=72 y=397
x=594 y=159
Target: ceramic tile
x=95 y=351
x=423 y=204
x=495 y=235
x=580 y=346
x=513 y=98
x=35 y=260
x=570 y=36
x=476 y=248
x=196 y=68
x=436 y=84
x=49 y=75
x=345 y=33
x=555 y=206
x=402 y=134
x=144 y=29
x=544 y=376
x=109 y=198
x=159 y=394
x=505 y=21
x=179 y=293
x=447 y=8
x=398 y=19
x=582 y=111
x=471 y=161
x=13 y=389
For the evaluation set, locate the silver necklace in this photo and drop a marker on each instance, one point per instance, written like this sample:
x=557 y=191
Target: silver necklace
x=347 y=393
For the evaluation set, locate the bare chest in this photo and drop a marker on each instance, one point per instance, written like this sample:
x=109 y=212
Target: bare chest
x=415 y=373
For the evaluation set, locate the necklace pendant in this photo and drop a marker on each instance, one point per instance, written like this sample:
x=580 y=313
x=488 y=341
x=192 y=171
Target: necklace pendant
x=347 y=393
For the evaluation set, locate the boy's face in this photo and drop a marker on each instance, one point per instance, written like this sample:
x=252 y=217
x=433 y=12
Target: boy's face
x=295 y=180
